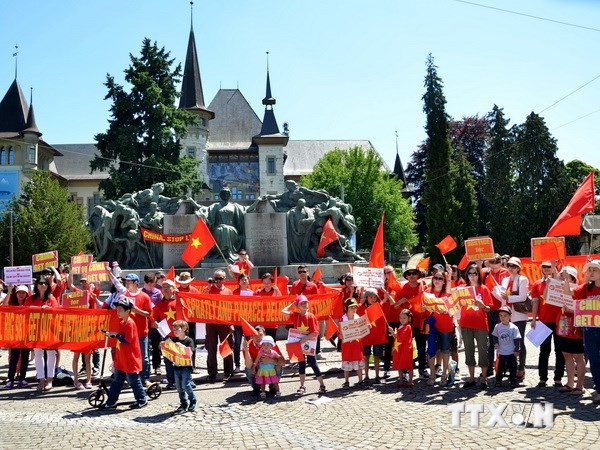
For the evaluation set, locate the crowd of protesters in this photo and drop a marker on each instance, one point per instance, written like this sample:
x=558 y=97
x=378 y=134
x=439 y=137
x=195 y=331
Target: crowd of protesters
x=408 y=338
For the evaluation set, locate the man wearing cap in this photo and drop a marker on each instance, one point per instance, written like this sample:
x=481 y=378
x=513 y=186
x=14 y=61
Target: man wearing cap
x=217 y=332
x=165 y=309
x=142 y=308
x=492 y=277
x=548 y=315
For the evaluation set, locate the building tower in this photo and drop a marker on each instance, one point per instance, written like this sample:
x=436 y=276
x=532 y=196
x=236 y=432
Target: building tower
x=270 y=143
x=192 y=100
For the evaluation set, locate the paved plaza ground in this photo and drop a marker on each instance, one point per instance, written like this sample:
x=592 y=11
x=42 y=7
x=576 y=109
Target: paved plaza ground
x=229 y=416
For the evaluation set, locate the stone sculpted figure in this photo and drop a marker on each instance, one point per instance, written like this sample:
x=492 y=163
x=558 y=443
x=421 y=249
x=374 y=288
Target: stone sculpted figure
x=226 y=222
x=154 y=221
x=299 y=222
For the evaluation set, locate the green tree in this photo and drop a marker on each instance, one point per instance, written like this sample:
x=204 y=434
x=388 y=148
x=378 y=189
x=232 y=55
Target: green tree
x=370 y=191
x=44 y=219
x=466 y=196
x=142 y=143
x=540 y=185
x=440 y=171
x=415 y=175
x=497 y=185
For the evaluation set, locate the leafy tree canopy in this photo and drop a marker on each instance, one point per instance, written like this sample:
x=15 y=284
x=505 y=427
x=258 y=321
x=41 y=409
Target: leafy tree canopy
x=370 y=191
x=142 y=143
x=44 y=219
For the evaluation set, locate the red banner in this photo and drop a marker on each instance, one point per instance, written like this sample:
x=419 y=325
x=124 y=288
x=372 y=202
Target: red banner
x=55 y=328
x=228 y=309
x=548 y=248
x=155 y=236
x=533 y=271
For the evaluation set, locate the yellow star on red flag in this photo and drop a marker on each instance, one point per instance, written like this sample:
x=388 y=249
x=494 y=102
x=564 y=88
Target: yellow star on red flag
x=170 y=314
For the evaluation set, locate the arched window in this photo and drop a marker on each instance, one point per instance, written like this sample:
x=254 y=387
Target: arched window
x=11 y=156
x=2 y=156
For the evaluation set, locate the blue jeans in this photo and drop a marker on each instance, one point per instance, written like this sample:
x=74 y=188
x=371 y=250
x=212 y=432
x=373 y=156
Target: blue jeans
x=117 y=384
x=591 y=340
x=185 y=387
x=145 y=373
x=170 y=372
x=250 y=376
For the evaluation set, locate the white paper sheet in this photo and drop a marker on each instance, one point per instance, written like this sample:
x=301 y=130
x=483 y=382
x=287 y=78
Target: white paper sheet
x=538 y=334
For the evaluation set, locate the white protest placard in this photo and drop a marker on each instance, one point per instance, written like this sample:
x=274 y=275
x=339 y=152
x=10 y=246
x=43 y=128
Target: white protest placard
x=18 y=275
x=555 y=296
x=309 y=347
x=163 y=328
x=368 y=277
x=354 y=329
x=538 y=334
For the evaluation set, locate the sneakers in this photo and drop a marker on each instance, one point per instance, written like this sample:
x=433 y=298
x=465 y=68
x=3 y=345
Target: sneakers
x=192 y=406
x=237 y=369
x=138 y=405
x=23 y=384
x=81 y=371
x=79 y=387
x=9 y=385
x=108 y=406
x=95 y=372
x=320 y=357
x=277 y=394
x=386 y=375
x=182 y=408
x=88 y=385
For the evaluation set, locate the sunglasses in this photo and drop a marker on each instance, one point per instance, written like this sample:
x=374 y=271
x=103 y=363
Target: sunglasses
x=303 y=271
x=243 y=254
x=546 y=267
x=472 y=274
x=412 y=274
x=512 y=265
x=438 y=278
x=219 y=278
x=42 y=283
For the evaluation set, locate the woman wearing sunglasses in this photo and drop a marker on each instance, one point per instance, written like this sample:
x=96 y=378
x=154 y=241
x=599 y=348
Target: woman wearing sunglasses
x=45 y=360
x=474 y=327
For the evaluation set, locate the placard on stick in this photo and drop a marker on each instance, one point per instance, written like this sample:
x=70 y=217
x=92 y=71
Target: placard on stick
x=77 y=299
x=41 y=261
x=80 y=263
x=548 y=249
x=369 y=277
x=18 y=275
x=479 y=248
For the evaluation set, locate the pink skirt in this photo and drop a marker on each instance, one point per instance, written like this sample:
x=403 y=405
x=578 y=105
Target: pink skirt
x=270 y=379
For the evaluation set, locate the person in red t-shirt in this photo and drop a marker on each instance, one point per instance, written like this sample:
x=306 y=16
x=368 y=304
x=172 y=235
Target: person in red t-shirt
x=377 y=337
x=303 y=286
x=443 y=324
x=165 y=309
x=250 y=348
x=127 y=358
x=142 y=308
x=389 y=295
x=242 y=266
x=491 y=277
x=45 y=360
x=303 y=320
x=474 y=327
x=547 y=314
x=216 y=332
x=352 y=351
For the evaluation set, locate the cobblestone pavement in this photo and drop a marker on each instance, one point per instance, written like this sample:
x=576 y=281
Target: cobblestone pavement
x=229 y=416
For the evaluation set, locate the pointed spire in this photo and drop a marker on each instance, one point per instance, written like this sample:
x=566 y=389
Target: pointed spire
x=192 y=97
x=13 y=110
x=398 y=169
x=268 y=100
x=15 y=54
x=31 y=125
x=269 y=125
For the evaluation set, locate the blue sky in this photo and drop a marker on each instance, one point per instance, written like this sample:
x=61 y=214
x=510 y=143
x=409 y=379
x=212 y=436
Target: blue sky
x=339 y=69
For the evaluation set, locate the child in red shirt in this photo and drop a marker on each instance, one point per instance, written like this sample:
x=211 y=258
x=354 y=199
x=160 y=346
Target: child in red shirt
x=402 y=358
x=352 y=357
x=127 y=360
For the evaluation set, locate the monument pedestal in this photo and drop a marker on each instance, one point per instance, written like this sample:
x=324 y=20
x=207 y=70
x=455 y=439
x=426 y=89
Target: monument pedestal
x=266 y=236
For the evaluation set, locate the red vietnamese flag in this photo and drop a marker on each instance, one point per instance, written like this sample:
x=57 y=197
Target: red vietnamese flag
x=247 y=329
x=294 y=351
x=317 y=275
x=170 y=274
x=225 y=348
x=583 y=201
x=328 y=235
x=464 y=262
x=377 y=258
x=447 y=244
x=374 y=312
x=332 y=328
x=200 y=243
